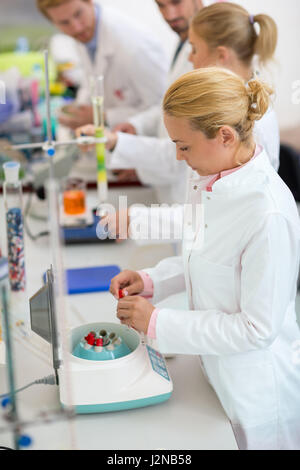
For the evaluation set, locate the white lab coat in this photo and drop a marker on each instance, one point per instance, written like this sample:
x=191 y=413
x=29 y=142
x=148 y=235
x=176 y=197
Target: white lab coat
x=132 y=62
x=153 y=148
x=239 y=267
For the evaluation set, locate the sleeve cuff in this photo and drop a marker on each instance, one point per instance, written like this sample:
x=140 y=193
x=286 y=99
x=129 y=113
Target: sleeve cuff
x=148 y=285
x=151 y=332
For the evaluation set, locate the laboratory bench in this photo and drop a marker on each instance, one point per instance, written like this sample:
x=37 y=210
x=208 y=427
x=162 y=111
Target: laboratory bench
x=192 y=418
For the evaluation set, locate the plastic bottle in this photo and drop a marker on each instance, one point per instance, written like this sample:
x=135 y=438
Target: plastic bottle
x=12 y=192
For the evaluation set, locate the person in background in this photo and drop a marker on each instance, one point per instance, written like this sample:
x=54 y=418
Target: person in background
x=131 y=60
x=225 y=34
x=239 y=262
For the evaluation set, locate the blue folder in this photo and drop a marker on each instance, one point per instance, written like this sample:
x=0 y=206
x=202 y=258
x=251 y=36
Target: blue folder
x=87 y=280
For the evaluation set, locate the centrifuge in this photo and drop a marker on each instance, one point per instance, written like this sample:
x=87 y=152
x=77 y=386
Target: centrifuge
x=109 y=366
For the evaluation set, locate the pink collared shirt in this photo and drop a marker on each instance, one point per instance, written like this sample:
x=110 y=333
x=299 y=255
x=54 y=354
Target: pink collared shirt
x=148 y=284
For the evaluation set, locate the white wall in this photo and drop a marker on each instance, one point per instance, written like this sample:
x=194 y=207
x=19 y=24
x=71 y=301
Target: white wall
x=287 y=71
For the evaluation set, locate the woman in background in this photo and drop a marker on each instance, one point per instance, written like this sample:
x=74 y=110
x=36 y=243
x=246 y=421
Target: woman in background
x=225 y=35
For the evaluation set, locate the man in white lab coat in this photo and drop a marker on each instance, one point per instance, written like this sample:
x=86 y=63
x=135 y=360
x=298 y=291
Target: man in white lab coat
x=130 y=59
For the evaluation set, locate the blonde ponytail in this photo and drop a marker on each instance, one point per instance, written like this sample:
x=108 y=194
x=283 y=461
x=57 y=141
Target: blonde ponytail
x=228 y=24
x=213 y=97
x=266 y=40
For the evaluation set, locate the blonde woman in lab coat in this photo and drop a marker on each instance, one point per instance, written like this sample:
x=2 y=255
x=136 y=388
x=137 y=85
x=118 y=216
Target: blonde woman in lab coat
x=239 y=263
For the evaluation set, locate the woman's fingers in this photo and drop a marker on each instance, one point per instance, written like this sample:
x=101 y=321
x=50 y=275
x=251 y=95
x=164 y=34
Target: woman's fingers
x=132 y=289
x=124 y=315
x=125 y=127
x=130 y=282
x=135 y=311
x=126 y=311
x=125 y=307
x=119 y=282
x=88 y=130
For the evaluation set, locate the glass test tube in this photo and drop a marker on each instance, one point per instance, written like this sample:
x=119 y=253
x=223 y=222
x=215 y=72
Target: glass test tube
x=97 y=93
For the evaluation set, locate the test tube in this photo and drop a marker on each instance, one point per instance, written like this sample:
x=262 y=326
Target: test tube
x=97 y=94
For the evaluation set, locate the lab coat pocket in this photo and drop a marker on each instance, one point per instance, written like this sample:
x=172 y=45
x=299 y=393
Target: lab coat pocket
x=212 y=285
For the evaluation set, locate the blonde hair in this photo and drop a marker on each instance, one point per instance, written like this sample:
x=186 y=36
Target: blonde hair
x=44 y=5
x=228 y=24
x=212 y=97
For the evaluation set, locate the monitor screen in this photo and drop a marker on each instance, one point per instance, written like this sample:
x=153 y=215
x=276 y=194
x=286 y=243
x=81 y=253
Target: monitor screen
x=43 y=318
x=40 y=313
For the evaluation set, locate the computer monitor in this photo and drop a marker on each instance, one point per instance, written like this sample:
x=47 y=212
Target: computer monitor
x=43 y=318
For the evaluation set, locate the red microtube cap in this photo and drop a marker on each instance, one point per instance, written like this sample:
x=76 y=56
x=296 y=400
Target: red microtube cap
x=99 y=342
x=91 y=335
x=90 y=340
x=121 y=295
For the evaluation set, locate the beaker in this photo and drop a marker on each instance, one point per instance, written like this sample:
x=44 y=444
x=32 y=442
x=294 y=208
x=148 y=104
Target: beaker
x=74 y=196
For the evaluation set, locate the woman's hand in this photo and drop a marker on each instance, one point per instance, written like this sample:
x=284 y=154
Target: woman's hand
x=89 y=130
x=135 y=311
x=117 y=224
x=125 y=127
x=73 y=116
x=130 y=282
x=125 y=176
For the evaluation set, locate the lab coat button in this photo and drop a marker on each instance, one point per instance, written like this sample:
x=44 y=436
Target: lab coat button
x=195 y=188
x=206 y=225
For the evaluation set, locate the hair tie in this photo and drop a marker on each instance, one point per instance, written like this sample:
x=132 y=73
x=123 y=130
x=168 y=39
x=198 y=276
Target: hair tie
x=251 y=19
